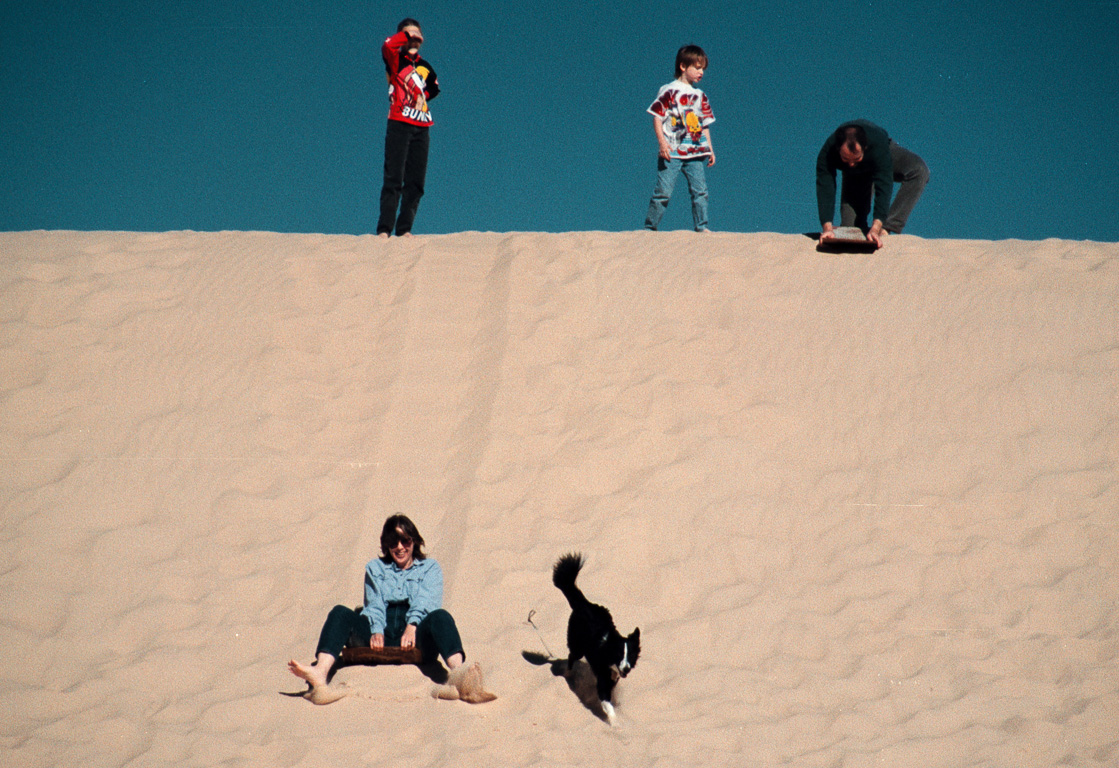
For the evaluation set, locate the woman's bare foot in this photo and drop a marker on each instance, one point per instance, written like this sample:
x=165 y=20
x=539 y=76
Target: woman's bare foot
x=465 y=684
x=471 y=688
x=318 y=690
x=314 y=674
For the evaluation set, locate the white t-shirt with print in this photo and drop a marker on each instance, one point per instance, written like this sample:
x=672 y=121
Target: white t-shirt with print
x=684 y=112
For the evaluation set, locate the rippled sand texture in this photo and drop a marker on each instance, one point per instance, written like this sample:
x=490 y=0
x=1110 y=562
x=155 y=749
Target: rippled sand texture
x=863 y=508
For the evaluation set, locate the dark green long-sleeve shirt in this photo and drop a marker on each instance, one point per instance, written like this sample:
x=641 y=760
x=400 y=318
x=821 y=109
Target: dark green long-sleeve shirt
x=876 y=167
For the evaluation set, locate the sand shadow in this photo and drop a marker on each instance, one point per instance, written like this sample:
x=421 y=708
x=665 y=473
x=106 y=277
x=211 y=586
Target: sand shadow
x=580 y=680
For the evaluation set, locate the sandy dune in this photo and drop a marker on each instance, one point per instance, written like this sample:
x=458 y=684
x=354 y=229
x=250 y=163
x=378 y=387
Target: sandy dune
x=864 y=509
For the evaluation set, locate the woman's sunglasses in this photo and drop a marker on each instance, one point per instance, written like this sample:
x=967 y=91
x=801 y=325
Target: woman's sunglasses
x=393 y=539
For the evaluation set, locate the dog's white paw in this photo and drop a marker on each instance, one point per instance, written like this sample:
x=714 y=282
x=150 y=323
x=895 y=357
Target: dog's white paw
x=608 y=708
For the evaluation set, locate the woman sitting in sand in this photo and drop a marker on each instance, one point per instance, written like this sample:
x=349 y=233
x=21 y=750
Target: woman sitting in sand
x=403 y=608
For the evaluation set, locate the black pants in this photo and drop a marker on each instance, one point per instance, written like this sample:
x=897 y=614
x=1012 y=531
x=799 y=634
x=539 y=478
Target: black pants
x=406 y=148
x=436 y=635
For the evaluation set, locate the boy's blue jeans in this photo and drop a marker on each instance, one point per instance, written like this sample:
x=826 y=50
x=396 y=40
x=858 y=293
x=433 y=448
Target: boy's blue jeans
x=667 y=173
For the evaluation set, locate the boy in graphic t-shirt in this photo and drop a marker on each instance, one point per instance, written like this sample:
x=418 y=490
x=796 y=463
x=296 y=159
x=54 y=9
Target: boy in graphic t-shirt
x=412 y=84
x=681 y=116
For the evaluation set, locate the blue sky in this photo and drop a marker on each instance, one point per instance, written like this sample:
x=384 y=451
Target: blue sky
x=269 y=115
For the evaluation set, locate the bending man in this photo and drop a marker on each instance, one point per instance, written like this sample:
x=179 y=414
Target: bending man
x=871 y=162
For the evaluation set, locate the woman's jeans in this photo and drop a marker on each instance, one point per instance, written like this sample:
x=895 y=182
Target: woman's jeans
x=436 y=635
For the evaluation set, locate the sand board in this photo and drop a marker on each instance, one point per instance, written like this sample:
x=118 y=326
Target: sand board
x=847 y=240
x=381 y=656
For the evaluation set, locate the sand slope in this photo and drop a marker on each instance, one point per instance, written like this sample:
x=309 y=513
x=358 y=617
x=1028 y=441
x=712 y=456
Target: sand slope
x=863 y=508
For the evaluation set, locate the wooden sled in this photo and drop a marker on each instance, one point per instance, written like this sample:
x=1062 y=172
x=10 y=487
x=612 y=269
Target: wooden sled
x=847 y=240
x=381 y=656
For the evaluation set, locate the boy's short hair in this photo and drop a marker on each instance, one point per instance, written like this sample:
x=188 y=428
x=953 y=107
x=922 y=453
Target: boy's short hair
x=687 y=56
x=408 y=23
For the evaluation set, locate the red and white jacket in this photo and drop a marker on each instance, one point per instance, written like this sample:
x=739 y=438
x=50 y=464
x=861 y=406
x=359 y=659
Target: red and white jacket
x=412 y=82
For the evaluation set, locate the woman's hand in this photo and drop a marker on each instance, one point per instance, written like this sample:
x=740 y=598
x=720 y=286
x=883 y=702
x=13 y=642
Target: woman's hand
x=377 y=641
x=408 y=639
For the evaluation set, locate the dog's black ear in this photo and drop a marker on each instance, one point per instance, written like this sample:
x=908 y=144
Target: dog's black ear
x=636 y=634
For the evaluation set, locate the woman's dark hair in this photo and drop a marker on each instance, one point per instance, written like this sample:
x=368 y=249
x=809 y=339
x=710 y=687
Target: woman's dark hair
x=389 y=537
x=408 y=23
x=687 y=56
x=850 y=135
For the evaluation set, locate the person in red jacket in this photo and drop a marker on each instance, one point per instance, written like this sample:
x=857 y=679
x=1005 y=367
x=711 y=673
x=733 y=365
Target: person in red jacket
x=412 y=84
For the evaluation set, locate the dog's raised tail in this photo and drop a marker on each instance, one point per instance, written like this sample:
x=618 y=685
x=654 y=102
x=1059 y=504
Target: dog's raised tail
x=564 y=573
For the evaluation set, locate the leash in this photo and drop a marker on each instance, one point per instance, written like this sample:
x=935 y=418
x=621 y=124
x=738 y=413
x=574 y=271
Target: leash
x=538 y=634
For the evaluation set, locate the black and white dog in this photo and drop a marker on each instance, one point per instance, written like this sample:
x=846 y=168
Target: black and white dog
x=591 y=634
